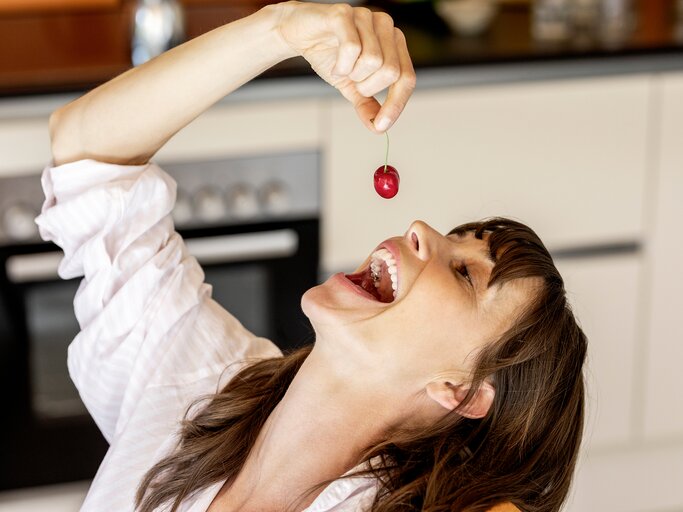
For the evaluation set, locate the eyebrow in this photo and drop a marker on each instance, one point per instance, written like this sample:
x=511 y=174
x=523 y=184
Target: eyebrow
x=487 y=252
x=489 y=257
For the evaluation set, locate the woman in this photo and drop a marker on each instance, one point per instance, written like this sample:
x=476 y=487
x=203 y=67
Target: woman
x=462 y=392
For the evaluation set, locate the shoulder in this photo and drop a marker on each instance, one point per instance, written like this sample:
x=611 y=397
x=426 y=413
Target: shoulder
x=504 y=507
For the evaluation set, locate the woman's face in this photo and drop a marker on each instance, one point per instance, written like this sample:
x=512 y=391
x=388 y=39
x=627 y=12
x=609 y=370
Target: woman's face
x=442 y=314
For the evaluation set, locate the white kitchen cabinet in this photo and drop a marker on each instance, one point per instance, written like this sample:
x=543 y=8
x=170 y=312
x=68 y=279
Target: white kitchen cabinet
x=567 y=157
x=24 y=146
x=245 y=129
x=663 y=365
x=604 y=294
x=224 y=130
x=638 y=479
x=617 y=471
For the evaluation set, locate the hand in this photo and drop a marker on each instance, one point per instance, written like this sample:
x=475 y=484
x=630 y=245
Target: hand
x=357 y=51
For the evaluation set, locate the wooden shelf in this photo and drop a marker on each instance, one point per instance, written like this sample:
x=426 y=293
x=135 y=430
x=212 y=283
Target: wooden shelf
x=85 y=42
x=33 y=6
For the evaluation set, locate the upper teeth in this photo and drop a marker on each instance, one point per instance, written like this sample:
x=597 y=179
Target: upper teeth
x=379 y=256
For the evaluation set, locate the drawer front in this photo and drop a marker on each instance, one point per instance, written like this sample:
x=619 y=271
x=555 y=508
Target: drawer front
x=634 y=480
x=566 y=157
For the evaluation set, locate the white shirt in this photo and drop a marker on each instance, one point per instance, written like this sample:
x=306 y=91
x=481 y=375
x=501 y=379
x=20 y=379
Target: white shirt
x=152 y=339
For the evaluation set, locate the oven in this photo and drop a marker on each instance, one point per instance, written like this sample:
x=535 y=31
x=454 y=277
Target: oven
x=253 y=223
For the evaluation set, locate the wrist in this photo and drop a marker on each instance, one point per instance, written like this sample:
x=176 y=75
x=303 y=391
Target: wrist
x=271 y=16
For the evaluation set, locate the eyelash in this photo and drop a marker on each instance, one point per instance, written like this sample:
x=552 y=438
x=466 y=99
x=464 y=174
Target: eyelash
x=462 y=270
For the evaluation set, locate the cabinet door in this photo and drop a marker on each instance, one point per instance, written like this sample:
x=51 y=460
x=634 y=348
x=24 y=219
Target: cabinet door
x=24 y=146
x=663 y=415
x=248 y=128
x=641 y=479
x=567 y=157
x=231 y=129
x=604 y=294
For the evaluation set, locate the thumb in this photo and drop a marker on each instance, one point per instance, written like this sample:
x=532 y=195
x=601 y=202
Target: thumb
x=366 y=107
x=367 y=111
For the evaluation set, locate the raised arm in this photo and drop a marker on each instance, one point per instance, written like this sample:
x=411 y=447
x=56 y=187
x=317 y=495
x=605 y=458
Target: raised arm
x=128 y=119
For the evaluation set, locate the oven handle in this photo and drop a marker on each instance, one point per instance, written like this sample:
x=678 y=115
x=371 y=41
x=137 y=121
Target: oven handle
x=209 y=250
x=282 y=243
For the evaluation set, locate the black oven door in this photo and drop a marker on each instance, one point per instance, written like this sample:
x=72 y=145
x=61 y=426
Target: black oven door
x=258 y=272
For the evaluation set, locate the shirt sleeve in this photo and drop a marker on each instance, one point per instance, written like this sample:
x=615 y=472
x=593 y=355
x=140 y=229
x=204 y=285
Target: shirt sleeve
x=145 y=313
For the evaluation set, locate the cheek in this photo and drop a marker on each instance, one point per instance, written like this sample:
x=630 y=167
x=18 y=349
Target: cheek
x=435 y=304
x=438 y=327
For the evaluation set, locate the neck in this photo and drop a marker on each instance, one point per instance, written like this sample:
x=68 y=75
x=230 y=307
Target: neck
x=329 y=415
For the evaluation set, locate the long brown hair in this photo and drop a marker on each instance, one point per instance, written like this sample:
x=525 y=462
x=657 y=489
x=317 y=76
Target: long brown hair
x=523 y=451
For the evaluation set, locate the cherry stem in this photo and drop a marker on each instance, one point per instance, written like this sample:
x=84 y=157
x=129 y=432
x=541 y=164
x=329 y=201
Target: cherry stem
x=386 y=156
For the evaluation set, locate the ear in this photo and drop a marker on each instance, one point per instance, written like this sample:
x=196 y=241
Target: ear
x=450 y=396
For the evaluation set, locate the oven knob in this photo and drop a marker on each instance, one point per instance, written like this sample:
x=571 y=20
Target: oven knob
x=182 y=210
x=243 y=202
x=275 y=197
x=18 y=222
x=209 y=204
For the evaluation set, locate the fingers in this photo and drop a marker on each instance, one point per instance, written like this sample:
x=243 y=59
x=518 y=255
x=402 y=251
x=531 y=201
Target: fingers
x=372 y=56
x=370 y=59
x=349 y=40
x=390 y=69
x=400 y=90
x=366 y=108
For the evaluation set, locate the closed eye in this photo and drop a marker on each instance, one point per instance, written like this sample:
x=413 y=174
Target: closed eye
x=463 y=271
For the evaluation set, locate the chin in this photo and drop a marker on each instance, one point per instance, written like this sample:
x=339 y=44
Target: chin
x=317 y=305
x=326 y=305
x=308 y=301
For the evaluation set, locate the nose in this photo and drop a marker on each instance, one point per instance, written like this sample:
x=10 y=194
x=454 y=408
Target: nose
x=422 y=239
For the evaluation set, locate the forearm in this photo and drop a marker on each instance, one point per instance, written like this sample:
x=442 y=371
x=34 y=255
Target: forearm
x=128 y=119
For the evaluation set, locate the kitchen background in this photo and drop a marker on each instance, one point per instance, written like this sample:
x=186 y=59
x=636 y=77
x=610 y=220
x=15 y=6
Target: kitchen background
x=565 y=114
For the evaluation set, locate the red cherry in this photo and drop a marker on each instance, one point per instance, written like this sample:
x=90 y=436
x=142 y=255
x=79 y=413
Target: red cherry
x=386 y=183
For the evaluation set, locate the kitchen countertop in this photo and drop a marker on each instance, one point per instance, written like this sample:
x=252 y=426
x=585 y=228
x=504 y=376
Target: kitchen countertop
x=505 y=53
x=657 y=33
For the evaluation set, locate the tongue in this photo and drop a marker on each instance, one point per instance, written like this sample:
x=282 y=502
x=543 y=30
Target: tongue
x=364 y=281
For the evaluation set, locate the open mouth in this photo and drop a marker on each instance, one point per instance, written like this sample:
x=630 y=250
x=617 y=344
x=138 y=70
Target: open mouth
x=380 y=278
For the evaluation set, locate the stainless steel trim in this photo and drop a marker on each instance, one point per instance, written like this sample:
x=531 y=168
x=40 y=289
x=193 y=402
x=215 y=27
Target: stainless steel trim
x=597 y=250
x=23 y=268
x=231 y=248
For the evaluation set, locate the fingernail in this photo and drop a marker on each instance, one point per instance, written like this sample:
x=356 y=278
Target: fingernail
x=382 y=124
